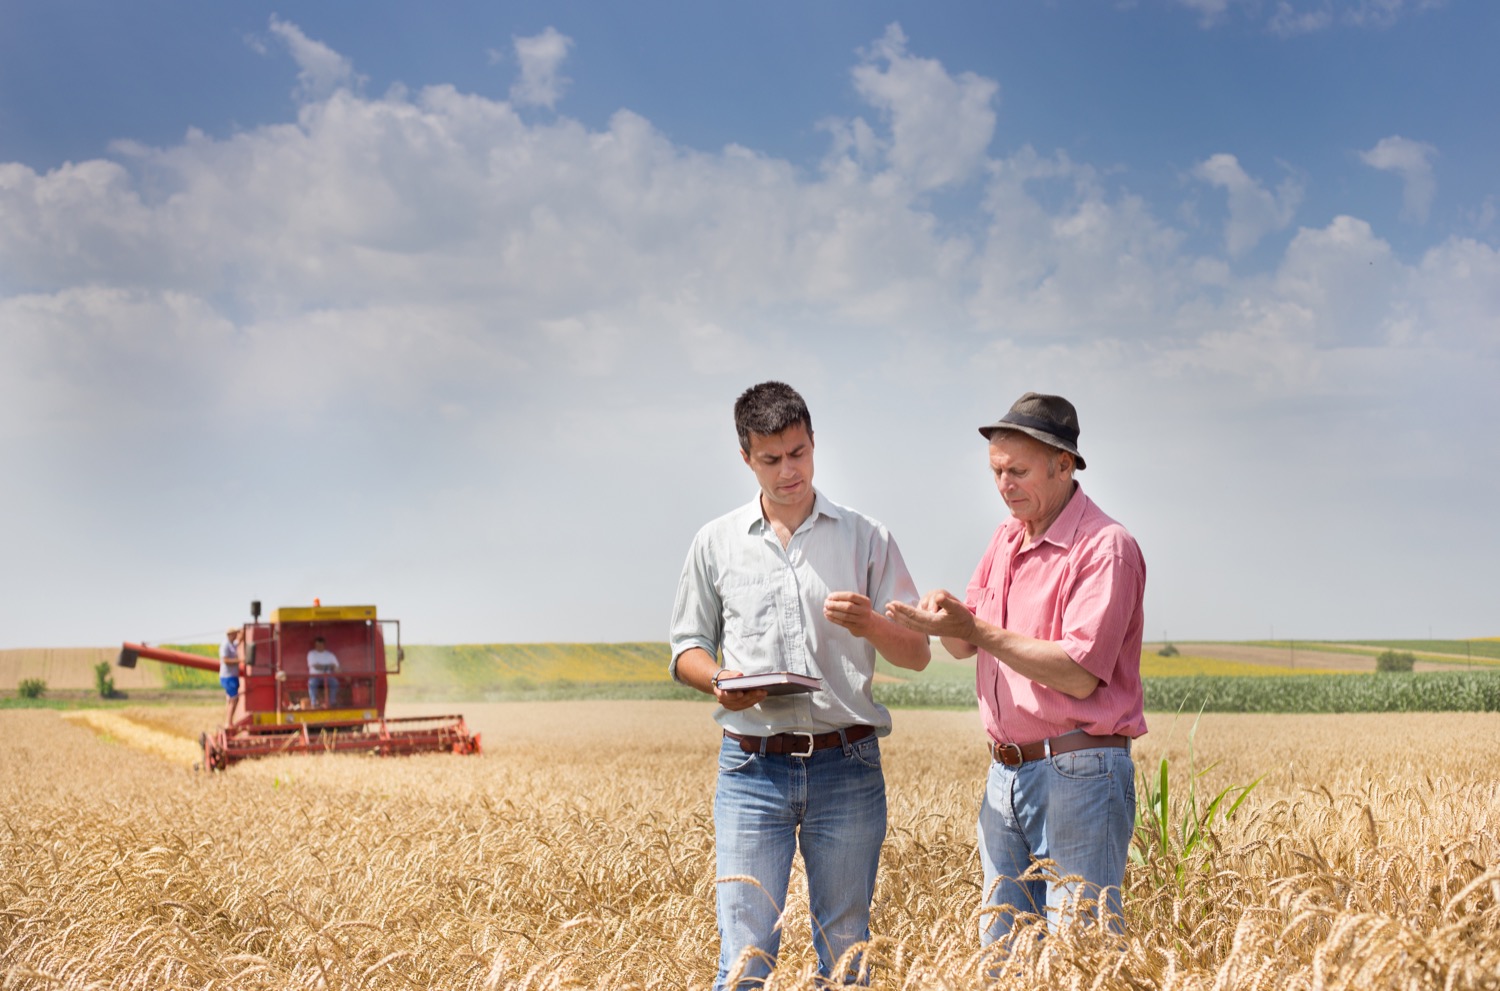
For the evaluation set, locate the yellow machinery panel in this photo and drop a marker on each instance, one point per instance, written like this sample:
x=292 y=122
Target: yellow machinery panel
x=320 y=614
x=313 y=717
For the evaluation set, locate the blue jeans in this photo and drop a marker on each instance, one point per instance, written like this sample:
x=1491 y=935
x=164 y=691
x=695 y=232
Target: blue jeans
x=327 y=684
x=1077 y=809
x=832 y=806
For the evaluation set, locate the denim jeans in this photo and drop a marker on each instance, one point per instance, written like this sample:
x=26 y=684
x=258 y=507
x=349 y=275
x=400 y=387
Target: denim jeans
x=325 y=684
x=1077 y=809
x=831 y=805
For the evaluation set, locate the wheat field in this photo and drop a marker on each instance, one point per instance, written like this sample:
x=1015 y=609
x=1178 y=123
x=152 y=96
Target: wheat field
x=576 y=852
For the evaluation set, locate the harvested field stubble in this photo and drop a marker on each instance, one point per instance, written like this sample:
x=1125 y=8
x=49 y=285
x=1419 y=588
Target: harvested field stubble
x=577 y=852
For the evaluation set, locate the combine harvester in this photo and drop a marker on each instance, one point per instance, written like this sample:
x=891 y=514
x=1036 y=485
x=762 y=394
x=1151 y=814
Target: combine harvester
x=275 y=715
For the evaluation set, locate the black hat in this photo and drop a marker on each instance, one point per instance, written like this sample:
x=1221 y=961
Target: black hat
x=1050 y=419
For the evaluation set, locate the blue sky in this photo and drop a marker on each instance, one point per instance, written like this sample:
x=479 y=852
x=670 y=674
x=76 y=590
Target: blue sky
x=446 y=311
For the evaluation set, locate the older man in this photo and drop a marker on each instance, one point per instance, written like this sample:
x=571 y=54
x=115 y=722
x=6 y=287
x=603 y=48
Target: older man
x=1054 y=611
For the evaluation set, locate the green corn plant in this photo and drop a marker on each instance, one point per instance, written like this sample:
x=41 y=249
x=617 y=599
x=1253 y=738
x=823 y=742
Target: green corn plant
x=1166 y=847
x=103 y=682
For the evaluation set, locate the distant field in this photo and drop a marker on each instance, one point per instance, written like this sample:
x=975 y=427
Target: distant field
x=496 y=672
x=1477 y=652
x=479 y=671
x=1194 y=665
x=71 y=668
x=1255 y=663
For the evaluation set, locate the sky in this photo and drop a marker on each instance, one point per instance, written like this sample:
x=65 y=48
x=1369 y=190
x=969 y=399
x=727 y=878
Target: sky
x=444 y=308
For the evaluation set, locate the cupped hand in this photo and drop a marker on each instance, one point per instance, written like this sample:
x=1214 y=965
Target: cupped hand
x=850 y=610
x=939 y=613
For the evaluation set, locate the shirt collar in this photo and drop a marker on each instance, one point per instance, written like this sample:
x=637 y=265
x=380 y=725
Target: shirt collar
x=749 y=518
x=1065 y=527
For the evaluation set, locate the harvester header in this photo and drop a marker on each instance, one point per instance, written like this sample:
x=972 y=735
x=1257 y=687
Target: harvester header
x=314 y=680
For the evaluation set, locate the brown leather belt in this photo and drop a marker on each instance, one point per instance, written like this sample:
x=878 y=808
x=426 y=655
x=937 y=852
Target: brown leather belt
x=799 y=744
x=1016 y=754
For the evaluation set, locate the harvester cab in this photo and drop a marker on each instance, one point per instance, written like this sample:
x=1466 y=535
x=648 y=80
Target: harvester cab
x=336 y=703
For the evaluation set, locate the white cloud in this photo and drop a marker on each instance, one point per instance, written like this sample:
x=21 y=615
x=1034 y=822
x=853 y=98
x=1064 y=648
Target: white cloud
x=321 y=71
x=1290 y=18
x=1482 y=217
x=1383 y=13
x=97 y=362
x=1297 y=17
x=540 y=57
x=1290 y=21
x=940 y=125
x=81 y=222
x=470 y=332
x=1210 y=11
x=1254 y=211
x=1412 y=161
x=1454 y=299
x=444 y=226
x=1091 y=266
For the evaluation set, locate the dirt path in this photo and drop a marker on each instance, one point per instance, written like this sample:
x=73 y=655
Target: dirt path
x=1292 y=657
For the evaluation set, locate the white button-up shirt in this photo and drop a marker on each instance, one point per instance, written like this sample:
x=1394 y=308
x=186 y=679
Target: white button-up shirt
x=322 y=662
x=763 y=605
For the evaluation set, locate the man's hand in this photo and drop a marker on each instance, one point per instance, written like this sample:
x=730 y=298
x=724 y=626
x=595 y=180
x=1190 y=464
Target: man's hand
x=850 y=610
x=939 y=613
x=735 y=701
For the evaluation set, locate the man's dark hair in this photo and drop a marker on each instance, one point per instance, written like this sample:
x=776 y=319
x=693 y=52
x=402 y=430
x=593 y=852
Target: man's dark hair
x=767 y=409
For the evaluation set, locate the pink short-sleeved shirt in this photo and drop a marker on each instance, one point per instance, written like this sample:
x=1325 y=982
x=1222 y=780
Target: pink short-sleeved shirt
x=1082 y=585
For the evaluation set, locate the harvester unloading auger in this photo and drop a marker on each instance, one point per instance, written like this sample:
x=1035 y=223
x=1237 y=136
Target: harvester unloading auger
x=275 y=714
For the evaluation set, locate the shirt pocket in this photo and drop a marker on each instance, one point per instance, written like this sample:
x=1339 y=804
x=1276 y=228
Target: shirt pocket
x=749 y=607
x=987 y=603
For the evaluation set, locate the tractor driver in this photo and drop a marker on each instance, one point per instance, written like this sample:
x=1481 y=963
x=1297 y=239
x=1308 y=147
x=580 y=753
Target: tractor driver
x=321 y=665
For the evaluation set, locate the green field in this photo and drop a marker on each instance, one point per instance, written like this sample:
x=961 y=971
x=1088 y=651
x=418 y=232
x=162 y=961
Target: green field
x=541 y=671
x=945 y=671
x=494 y=671
x=537 y=670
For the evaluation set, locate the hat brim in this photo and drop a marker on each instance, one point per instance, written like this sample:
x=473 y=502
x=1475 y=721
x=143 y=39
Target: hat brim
x=1050 y=440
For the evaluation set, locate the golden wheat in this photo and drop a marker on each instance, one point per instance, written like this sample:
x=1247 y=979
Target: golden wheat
x=577 y=852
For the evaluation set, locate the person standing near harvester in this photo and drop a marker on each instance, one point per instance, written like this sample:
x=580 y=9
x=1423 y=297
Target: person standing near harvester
x=793 y=582
x=229 y=671
x=1054 y=612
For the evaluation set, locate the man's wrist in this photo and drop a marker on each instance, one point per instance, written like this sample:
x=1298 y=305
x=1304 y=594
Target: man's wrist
x=713 y=683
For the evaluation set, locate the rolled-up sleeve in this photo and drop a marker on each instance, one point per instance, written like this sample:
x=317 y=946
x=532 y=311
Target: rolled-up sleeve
x=888 y=579
x=1105 y=597
x=698 y=613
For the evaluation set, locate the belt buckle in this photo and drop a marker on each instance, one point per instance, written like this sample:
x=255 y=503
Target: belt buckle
x=1008 y=754
x=809 y=751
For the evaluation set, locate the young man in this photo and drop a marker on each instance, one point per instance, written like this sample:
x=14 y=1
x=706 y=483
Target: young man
x=1054 y=611
x=793 y=582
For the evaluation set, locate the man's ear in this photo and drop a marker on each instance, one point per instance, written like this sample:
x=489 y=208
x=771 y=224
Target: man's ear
x=746 y=455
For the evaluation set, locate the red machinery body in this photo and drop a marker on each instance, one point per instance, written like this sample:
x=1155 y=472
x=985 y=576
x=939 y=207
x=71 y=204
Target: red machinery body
x=275 y=714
